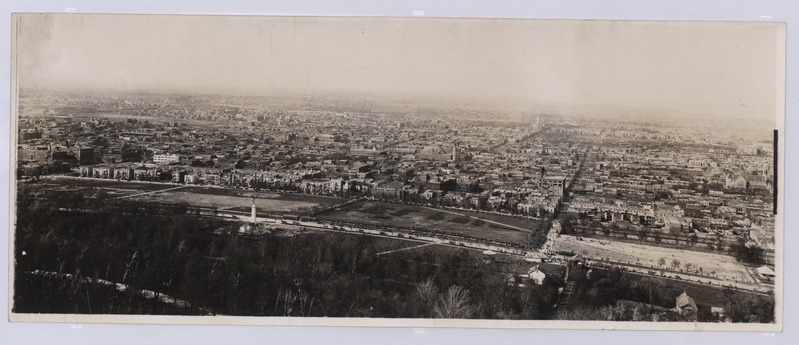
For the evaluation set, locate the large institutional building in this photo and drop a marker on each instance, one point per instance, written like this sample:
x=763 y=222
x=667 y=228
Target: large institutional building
x=439 y=153
x=166 y=159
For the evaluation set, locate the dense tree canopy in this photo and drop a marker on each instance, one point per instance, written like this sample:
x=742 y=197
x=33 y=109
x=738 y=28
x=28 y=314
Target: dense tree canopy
x=213 y=268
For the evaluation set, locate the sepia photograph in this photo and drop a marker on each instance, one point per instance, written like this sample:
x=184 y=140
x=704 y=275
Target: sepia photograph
x=397 y=172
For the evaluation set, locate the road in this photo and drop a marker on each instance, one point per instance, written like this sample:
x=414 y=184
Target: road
x=406 y=248
x=687 y=277
x=641 y=259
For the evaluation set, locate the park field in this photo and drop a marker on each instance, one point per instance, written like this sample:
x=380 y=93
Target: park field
x=499 y=228
x=91 y=183
x=198 y=196
x=718 y=265
x=270 y=202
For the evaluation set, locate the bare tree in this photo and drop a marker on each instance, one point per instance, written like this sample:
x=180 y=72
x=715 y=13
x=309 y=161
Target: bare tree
x=454 y=304
x=287 y=298
x=427 y=290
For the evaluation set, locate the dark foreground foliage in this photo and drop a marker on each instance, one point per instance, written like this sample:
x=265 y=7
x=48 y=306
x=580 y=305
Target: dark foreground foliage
x=70 y=261
x=214 y=269
x=612 y=295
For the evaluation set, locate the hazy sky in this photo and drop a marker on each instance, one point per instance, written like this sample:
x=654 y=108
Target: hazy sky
x=695 y=67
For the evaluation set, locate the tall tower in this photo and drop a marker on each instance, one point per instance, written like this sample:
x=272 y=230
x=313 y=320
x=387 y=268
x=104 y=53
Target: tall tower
x=538 y=122
x=252 y=211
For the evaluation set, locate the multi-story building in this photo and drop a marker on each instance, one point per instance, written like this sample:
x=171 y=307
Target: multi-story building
x=166 y=158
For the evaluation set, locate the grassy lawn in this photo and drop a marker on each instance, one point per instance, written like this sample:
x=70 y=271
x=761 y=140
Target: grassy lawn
x=648 y=255
x=225 y=201
x=102 y=183
x=193 y=195
x=219 y=191
x=273 y=196
x=317 y=199
x=510 y=220
x=380 y=213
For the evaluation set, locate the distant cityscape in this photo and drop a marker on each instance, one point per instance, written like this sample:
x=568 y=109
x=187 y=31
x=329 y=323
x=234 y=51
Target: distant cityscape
x=669 y=197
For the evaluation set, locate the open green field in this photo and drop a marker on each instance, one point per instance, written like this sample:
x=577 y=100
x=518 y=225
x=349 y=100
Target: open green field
x=723 y=266
x=222 y=202
x=103 y=183
x=199 y=196
x=510 y=220
x=498 y=228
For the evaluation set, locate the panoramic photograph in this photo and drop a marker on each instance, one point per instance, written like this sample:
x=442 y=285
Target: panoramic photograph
x=407 y=171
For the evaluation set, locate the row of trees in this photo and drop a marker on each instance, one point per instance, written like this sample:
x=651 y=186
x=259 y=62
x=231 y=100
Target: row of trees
x=617 y=296
x=747 y=252
x=739 y=248
x=580 y=224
